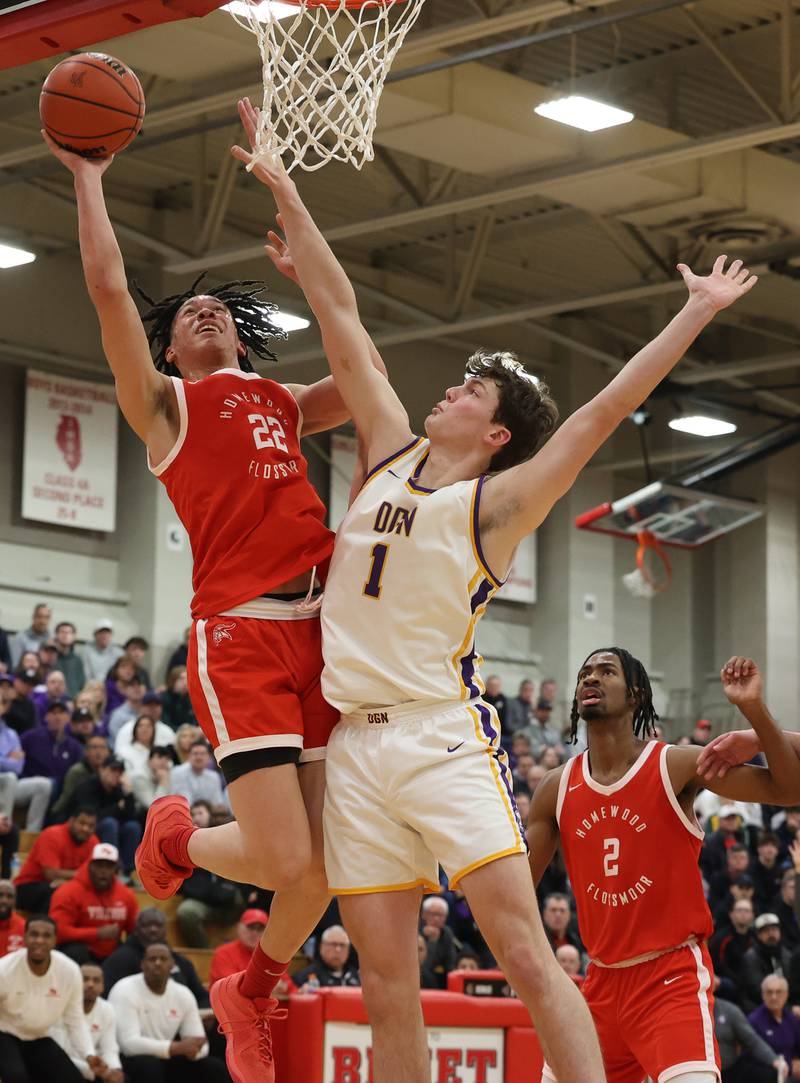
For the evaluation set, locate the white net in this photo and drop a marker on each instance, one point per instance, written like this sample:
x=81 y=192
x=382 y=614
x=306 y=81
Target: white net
x=639 y=587
x=324 y=69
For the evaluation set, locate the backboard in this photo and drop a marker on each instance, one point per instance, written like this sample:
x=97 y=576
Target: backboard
x=676 y=516
x=33 y=29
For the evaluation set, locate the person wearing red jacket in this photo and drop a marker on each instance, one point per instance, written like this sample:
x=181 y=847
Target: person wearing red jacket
x=12 y=926
x=234 y=956
x=94 y=908
x=58 y=852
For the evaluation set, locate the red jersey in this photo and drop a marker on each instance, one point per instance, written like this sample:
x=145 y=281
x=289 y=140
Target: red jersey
x=239 y=484
x=55 y=848
x=12 y=931
x=632 y=858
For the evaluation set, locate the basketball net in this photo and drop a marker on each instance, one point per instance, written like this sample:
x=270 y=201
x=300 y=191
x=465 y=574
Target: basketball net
x=648 y=579
x=324 y=70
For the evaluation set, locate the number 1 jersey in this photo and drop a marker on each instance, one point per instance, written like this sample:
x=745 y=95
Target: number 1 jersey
x=239 y=484
x=632 y=859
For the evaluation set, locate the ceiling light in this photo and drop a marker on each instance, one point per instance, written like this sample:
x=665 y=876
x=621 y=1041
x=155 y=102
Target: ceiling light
x=14 y=257
x=702 y=426
x=268 y=9
x=287 y=322
x=584 y=113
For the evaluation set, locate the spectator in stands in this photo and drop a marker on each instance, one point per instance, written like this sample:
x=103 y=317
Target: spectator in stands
x=81 y=725
x=153 y=708
x=100 y=656
x=740 y=888
x=110 y=794
x=525 y=761
x=58 y=852
x=541 y=732
x=570 y=961
x=558 y=924
x=12 y=925
x=701 y=734
x=94 y=908
x=48 y=656
x=5 y=652
x=786 y=909
x=519 y=710
x=39 y=989
x=548 y=690
x=466 y=960
x=729 y=944
x=767 y=956
x=523 y=802
x=180 y=656
x=161 y=1035
x=234 y=956
x=196 y=779
x=150 y=928
x=442 y=944
x=729 y=832
x=9 y=844
x=30 y=660
x=49 y=750
x=520 y=746
x=745 y=1057
x=427 y=979
x=534 y=776
x=465 y=931
x=12 y=759
x=495 y=696
x=20 y=712
x=136 y=739
x=136 y=648
x=177 y=705
x=54 y=687
x=776 y=1023
x=549 y=758
x=95 y=753
x=766 y=871
x=737 y=862
x=131 y=708
x=154 y=781
x=332 y=967
x=787 y=829
x=96 y=691
x=32 y=638
x=207 y=899
x=102 y=1023
x=68 y=660
x=185 y=737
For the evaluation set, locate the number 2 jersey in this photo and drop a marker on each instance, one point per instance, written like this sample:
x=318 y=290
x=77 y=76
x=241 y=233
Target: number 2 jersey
x=406 y=587
x=631 y=855
x=239 y=484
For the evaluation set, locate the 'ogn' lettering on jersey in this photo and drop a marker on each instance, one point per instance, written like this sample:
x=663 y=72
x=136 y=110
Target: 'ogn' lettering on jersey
x=407 y=585
x=239 y=484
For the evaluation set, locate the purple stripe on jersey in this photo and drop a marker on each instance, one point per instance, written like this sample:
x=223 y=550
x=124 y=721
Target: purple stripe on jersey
x=481 y=594
x=505 y=774
x=486 y=722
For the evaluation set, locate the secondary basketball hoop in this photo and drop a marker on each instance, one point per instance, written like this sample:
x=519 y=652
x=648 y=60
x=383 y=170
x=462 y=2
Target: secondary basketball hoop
x=324 y=69
x=653 y=571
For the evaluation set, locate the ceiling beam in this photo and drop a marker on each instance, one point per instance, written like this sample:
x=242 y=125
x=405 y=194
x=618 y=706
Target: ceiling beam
x=746 y=367
x=688 y=150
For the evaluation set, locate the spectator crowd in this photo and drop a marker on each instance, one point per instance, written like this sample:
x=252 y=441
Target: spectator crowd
x=88 y=742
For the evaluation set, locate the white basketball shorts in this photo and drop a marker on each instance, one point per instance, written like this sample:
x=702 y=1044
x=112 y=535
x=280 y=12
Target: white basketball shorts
x=414 y=787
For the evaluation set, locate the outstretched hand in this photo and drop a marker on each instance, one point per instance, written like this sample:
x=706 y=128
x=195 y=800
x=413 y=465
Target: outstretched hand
x=741 y=681
x=76 y=163
x=278 y=252
x=726 y=751
x=721 y=288
x=268 y=168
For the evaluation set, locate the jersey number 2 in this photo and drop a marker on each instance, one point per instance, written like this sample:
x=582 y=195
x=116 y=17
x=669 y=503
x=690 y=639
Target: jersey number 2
x=610 y=866
x=372 y=587
x=268 y=432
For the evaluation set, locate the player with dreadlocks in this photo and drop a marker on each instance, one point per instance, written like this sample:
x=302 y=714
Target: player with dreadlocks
x=631 y=842
x=225 y=443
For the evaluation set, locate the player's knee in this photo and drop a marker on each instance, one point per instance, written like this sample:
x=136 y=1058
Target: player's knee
x=387 y=993
x=281 y=870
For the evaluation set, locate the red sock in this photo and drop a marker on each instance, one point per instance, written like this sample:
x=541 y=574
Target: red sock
x=262 y=975
x=176 y=847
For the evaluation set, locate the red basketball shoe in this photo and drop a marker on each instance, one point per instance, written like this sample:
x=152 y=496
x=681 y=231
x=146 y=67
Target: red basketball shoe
x=245 y=1024
x=159 y=876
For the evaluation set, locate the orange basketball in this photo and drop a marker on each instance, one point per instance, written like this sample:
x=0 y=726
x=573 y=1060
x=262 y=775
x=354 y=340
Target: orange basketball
x=92 y=104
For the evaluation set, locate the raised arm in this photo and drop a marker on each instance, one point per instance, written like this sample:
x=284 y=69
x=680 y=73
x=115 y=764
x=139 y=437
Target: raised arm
x=542 y=833
x=777 y=784
x=145 y=396
x=378 y=413
x=517 y=501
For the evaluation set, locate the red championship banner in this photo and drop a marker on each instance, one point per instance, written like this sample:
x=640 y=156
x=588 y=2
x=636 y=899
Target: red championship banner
x=69 y=473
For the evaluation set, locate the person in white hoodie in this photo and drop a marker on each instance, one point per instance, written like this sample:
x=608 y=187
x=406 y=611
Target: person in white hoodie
x=40 y=989
x=102 y=1023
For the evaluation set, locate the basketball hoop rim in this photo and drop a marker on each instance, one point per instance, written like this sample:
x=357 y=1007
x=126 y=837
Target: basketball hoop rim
x=648 y=541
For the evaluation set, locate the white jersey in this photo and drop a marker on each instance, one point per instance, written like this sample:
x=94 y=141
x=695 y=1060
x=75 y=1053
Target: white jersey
x=407 y=585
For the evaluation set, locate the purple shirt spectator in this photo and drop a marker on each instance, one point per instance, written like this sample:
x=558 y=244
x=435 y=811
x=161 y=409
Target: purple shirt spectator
x=49 y=752
x=783 y=1037
x=9 y=742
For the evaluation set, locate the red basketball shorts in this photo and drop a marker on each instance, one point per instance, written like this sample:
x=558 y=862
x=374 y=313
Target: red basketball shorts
x=655 y=1019
x=254 y=682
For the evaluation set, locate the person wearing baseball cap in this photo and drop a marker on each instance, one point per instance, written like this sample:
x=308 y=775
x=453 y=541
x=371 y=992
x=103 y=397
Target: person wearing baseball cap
x=109 y=793
x=93 y=909
x=20 y=713
x=100 y=655
x=81 y=725
x=769 y=955
x=234 y=956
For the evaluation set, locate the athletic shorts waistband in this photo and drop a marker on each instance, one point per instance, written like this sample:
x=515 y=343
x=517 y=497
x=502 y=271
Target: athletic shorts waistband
x=271 y=609
x=415 y=711
x=647 y=958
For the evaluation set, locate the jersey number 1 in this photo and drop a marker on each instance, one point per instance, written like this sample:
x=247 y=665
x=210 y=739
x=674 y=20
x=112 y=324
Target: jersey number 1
x=372 y=587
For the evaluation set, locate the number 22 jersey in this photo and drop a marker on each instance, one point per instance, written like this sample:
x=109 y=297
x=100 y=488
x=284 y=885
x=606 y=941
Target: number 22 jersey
x=632 y=859
x=239 y=484
x=407 y=585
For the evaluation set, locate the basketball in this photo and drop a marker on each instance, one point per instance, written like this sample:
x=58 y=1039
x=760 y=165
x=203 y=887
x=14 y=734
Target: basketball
x=92 y=104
